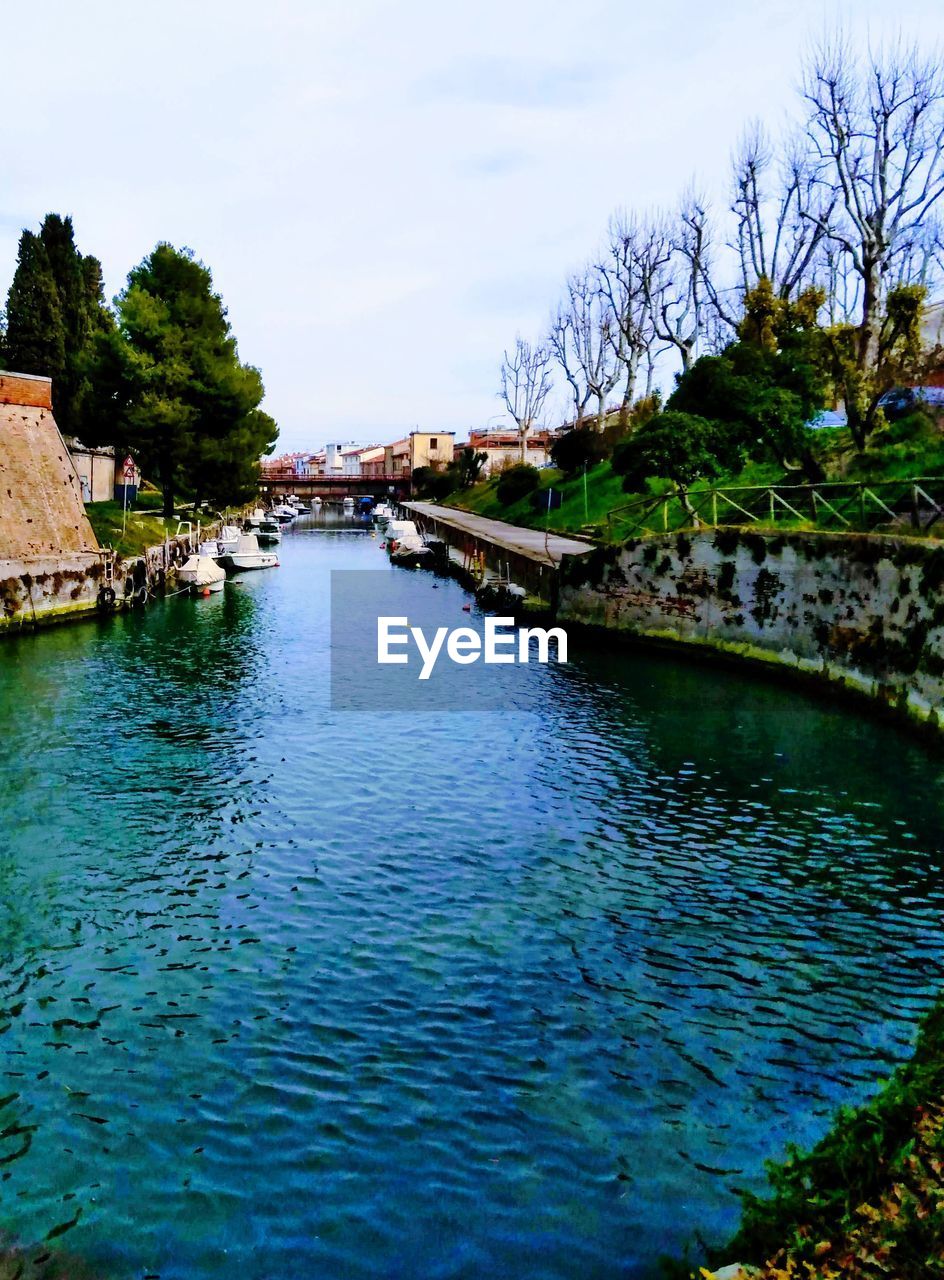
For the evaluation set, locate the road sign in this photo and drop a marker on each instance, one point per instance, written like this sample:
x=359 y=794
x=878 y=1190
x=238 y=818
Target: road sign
x=128 y=468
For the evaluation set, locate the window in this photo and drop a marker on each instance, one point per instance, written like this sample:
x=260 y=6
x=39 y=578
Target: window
x=433 y=443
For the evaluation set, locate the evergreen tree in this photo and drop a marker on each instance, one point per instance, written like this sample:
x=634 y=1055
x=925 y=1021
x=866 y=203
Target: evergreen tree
x=35 y=340
x=175 y=387
x=55 y=307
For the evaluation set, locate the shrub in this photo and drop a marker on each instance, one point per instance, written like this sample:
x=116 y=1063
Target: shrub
x=516 y=483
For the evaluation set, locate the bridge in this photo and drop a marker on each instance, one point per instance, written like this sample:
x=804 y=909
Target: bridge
x=279 y=483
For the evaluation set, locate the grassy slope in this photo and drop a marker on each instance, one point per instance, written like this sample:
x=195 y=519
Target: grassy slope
x=143 y=528
x=894 y=454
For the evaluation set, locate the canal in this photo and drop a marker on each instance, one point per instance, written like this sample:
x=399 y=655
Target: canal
x=521 y=992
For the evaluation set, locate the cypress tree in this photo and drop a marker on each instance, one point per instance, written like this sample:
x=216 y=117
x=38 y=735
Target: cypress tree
x=35 y=337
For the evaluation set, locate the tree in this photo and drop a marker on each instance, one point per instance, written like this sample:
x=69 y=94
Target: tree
x=186 y=405
x=764 y=388
x=562 y=340
x=622 y=282
x=681 y=447
x=877 y=138
x=525 y=385
x=580 y=447
x=35 y=340
x=592 y=342
x=56 y=338
x=466 y=467
x=674 y=261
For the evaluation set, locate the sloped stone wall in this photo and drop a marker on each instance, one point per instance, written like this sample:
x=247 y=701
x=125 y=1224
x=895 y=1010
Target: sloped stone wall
x=865 y=612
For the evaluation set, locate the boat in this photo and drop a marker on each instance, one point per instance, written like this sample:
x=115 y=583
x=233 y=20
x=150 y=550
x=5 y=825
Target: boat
x=284 y=514
x=382 y=513
x=253 y=521
x=316 y=504
x=269 y=533
x=201 y=574
x=222 y=545
x=348 y=506
x=248 y=555
x=405 y=543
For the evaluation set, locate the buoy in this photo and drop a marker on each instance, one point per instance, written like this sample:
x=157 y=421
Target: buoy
x=206 y=592
x=466 y=608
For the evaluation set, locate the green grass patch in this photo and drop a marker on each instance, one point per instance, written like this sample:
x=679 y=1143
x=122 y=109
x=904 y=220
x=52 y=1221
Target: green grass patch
x=142 y=529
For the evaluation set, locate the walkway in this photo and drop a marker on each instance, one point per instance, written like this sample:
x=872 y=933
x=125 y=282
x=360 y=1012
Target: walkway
x=534 y=544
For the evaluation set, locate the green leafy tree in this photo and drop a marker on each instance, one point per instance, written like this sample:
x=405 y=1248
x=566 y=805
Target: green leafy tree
x=901 y=358
x=172 y=376
x=35 y=339
x=681 y=447
x=467 y=466
x=56 y=306
x=582 y=446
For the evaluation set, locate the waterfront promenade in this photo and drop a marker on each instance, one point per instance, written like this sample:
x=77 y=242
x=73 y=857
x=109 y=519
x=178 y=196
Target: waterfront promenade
x=533 y=544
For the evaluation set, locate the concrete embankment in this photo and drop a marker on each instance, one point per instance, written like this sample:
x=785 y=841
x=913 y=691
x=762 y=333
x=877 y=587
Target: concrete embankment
x=861 y=613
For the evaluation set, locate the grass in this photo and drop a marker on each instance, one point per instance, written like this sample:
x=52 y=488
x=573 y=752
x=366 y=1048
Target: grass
x=913 y=446
x=142 y=529
x=868 y=1200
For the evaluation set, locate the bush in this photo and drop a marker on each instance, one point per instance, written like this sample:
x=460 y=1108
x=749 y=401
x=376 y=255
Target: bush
x=516 y=483
x=430 y=483
x=580 y=447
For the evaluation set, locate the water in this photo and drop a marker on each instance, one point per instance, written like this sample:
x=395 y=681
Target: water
x=287 y=991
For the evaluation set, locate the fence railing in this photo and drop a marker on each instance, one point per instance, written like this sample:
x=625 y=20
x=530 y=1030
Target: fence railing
x=912 y=505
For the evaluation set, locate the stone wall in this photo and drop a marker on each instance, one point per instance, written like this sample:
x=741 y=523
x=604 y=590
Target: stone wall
x=865 y=612
x=41 y=508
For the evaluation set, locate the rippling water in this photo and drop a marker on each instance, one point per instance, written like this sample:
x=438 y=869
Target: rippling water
x=293 y=992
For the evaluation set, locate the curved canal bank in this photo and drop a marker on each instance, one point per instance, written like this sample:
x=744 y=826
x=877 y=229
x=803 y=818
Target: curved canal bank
x=514 y=992
x=863 y=614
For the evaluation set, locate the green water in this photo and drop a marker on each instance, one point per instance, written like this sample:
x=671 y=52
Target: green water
x=294 y=991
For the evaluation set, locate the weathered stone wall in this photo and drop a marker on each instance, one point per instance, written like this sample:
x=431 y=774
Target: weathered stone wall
x=41 y=508
x=863 y=611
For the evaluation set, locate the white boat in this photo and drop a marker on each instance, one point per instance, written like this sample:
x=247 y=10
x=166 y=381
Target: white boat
x=348 y=505
x=382 y=513
x=229 y=537
x=284 y=514
x=248 y=555
x=405 y=543
x=269 y=533
x=315 y=504
x=201 y=574
x=253 y=521
x=221 y=546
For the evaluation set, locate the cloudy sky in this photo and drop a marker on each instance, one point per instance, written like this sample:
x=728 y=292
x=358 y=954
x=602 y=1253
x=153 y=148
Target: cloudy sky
x=385 y=192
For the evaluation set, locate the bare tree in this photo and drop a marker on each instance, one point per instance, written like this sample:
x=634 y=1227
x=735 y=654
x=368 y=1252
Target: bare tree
x=562 y=342
x=675 y=265
x=621 y=280
x=780 y=218
x=877 y=139
x=584 y=337
x=525 y=385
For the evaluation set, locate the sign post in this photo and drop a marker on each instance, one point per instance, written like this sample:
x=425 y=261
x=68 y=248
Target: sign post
x=127 y=474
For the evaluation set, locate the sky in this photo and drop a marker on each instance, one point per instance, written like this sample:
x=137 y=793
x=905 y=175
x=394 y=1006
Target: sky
x=387 y=194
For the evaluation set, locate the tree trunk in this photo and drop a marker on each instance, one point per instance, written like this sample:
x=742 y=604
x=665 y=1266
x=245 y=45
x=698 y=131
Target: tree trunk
x=871 y=316
x=601 y=411
x=167 y=485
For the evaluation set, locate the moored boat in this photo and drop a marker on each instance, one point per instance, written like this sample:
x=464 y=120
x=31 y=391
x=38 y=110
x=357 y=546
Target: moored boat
x=201 y=574
x=249 y=555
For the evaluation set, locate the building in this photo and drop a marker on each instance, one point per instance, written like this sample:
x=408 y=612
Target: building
x=420 y=449
x=503 y=449
x=95 y=469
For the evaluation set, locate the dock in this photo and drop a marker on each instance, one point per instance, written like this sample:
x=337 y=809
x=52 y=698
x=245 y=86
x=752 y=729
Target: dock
x=533 y=544
x=491 y=553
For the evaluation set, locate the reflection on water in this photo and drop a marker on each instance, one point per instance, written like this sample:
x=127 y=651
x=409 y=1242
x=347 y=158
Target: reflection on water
x=295 y=992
